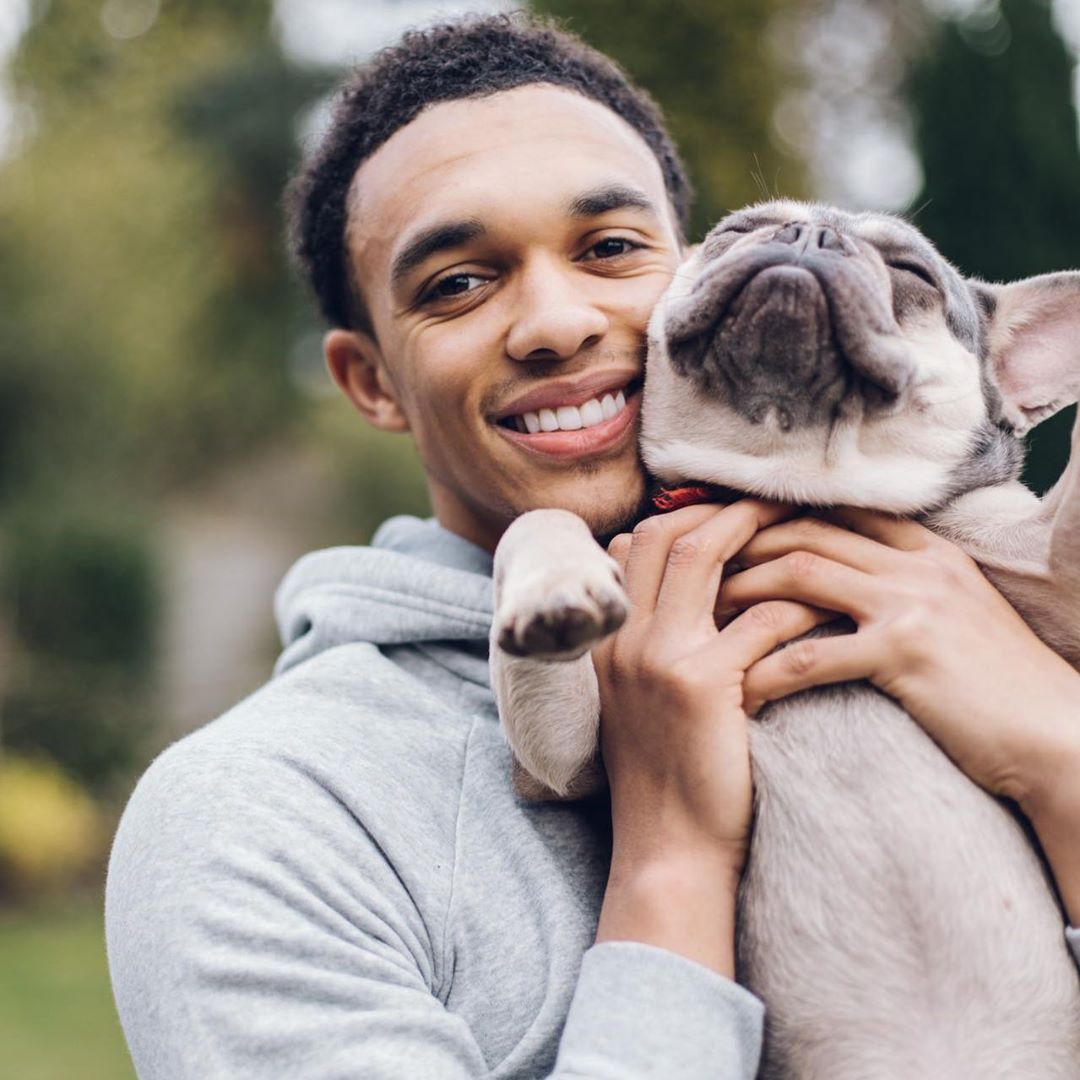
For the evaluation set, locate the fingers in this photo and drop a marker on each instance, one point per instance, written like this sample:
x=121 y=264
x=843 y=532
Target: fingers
x=758 y=630
x=646 y=552
x=695 y=562
x=807 y=578
x=645 y=561
x=895 y=532
x=821 y=538
x=619 y=550
x=810 y=662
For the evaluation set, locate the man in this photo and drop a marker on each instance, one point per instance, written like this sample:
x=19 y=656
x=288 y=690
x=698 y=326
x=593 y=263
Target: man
x=336 y=878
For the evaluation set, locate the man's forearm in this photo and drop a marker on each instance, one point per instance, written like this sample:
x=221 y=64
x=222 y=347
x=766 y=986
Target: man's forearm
x=682 y=902
x=1051 y=798
x=1055 y=816
x=1061 y=843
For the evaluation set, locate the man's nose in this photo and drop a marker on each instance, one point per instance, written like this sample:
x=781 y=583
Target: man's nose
x=804 y=236
x=555 y=316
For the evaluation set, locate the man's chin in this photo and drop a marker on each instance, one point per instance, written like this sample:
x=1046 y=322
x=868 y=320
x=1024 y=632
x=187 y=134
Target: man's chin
x=609 y=506
x=606 y=526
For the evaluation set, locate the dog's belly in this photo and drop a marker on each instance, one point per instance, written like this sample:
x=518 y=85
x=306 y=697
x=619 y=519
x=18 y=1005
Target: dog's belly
x=893 y=916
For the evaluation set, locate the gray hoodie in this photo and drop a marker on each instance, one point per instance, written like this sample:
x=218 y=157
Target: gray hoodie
x=336 y=880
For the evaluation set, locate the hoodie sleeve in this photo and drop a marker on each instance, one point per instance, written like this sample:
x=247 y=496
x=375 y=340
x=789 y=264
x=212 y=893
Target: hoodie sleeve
x=242 y=947
x=640 y=1011
x=1072 y=935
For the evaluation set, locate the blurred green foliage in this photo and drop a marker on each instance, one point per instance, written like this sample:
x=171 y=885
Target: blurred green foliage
x=149 y=317
x=153 y=333
x=85 y=587
x=996 y=130
x=57 y=1019
x=141 y=247
x=710 y=68
x=82 y=592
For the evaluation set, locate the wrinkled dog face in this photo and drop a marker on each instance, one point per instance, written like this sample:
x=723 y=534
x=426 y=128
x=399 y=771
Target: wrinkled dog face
x=812 y=355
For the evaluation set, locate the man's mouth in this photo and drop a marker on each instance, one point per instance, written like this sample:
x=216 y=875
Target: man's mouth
x=569 y=417
x=565 y=420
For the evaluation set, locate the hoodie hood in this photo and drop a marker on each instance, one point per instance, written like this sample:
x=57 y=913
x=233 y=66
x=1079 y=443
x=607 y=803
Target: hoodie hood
x=417 y=582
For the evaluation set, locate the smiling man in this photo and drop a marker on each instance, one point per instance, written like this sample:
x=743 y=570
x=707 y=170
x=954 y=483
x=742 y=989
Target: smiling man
x=336 y=878
x=509 y=250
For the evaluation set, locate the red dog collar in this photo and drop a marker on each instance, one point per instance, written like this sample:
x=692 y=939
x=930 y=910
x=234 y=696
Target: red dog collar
x=672 y=498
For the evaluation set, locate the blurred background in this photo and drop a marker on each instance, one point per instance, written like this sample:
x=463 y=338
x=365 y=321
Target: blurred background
x=169 y=440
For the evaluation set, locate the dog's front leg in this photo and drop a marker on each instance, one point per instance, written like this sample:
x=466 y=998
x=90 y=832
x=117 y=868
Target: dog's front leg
x=557 y=592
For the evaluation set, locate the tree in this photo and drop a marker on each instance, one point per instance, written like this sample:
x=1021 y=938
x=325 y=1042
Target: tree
x=710 y=68
x=149 y=314
x=997 y=132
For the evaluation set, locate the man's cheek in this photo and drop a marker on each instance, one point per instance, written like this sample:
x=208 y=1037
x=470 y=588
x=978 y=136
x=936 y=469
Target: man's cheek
x=446 y=428
x=651 y=287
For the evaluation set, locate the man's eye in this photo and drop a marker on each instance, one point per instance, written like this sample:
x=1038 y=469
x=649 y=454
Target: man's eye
x=613 y=246
x=450 y=286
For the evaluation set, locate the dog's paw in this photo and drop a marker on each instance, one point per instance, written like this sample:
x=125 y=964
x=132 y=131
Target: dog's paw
x=560 y=613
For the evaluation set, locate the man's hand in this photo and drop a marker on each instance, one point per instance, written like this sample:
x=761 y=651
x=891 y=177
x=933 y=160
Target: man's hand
x=674 y=730
x=937 y=636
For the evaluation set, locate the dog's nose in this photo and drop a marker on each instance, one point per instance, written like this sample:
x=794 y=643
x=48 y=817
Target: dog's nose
x=806 y=237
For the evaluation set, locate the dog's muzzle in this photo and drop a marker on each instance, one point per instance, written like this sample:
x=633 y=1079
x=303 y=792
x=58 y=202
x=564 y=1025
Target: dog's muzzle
x=790 y=328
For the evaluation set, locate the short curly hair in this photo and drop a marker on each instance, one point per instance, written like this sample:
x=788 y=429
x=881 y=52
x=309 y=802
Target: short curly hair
x=469 y=57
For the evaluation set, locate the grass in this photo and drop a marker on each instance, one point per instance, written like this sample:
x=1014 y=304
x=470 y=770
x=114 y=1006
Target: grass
x=57 y=1019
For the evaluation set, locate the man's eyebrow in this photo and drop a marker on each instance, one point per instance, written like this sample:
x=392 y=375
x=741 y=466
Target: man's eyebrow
x=445 y=235
x=609 y=197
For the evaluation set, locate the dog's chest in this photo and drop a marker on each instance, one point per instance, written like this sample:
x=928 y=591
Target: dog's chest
x=889 y=913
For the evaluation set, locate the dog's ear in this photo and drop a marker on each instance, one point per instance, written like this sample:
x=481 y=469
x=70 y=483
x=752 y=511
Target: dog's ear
x=1033 y=341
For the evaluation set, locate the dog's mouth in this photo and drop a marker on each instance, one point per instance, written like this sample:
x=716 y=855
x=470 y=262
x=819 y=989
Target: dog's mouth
x=790 y=336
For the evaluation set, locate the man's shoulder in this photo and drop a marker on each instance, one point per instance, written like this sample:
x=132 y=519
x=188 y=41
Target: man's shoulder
x=342 y=747
x=326 y=801
x=341 y=714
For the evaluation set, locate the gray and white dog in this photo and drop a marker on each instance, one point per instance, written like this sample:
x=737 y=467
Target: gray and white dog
x=893 y=916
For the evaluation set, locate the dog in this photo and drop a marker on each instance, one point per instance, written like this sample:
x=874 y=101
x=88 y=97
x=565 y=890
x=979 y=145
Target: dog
x=817 y=357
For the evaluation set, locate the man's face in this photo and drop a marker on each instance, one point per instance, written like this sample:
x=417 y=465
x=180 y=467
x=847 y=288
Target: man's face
x=509 y=251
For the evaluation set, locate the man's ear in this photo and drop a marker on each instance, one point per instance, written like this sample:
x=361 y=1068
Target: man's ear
x=1034 y=345
x=356 y=364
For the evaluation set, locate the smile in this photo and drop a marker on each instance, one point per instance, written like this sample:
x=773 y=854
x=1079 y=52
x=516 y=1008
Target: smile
x=597 y=425
x=571 y=417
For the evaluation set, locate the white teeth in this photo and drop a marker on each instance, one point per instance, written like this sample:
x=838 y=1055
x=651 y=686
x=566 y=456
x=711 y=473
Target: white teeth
x=571 y=417
x=591 y=413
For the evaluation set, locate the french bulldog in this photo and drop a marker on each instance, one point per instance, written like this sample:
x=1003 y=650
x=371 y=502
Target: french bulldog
x=894 y=917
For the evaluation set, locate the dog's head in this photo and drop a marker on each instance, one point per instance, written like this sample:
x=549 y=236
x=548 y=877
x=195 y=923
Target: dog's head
x=811 y=355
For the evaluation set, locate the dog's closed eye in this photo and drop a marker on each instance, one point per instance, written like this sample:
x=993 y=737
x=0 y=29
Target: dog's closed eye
x=905 y=266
